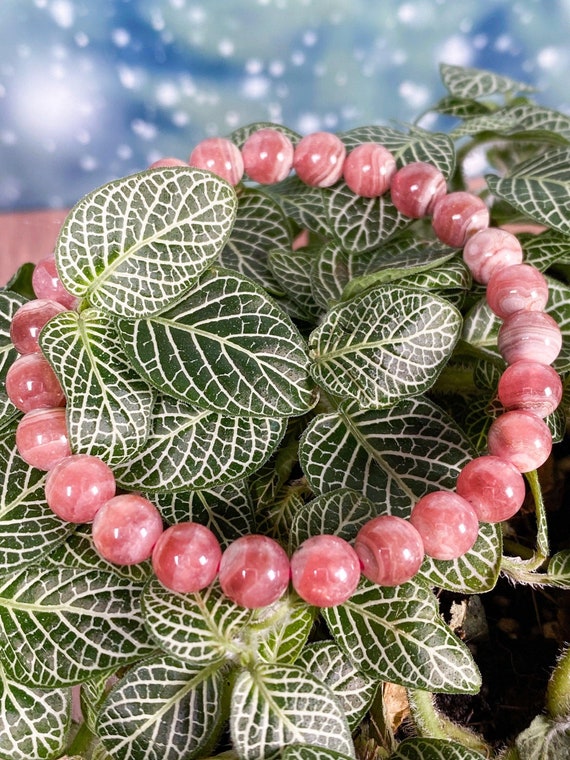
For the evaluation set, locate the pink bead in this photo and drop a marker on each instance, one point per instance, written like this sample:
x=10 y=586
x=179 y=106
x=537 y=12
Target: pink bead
x=447 y=524
x=532 y=386
x=416 y=188
x=28 y=321
x=220 y=156
x=166 y=162
x=529 y=335
x=254 y=571
x=78 y=486
x=521 y=438
x=31 y=383
x=267 y=156
x=390 y=550
x=368 y=169
x=126 y=528
x=490 y=250
x=41 y=438
x=325 y=571
x=458 y=216
x=186 y=557
x=494 y=488
x=319 y=159
x=516 y=288
x=48 y=286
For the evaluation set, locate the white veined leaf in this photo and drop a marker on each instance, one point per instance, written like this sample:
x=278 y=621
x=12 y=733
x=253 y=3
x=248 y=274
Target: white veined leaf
x=276 y=705
x=281 y=634
x=308 y=752
x=292 y=269
x=466 y=82
x=434 y=749
x=9 y=304
x=544 y=249
x=544 y=739
x=135 y=245
x=532 y=121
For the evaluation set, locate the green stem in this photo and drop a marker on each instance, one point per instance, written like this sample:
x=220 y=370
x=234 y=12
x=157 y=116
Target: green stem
x=81 y=741
x=558 y=690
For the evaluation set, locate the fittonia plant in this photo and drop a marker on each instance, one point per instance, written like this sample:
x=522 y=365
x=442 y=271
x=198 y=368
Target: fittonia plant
x=240 y=380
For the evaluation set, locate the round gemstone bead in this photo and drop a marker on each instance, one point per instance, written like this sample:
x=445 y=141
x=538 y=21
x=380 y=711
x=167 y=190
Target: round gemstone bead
x=254 y=571
x=368 y=169
x=48 y=286
x=41 y=438
x=490 y=250
x=220 y=156
x=126 y=528
x=390 y=550
x=267 y=156
x=529 y=335
x=532 y=386
x=319 y=159
x=520 y=287
x=416 y=188
x=186 y=557
x=325 y=570
x=28 y=321
x=31 y=383
x=447 y=524
x=458 y=216
x=78 y=486
x=167 y=161
x=521 y=438
x=494 y=488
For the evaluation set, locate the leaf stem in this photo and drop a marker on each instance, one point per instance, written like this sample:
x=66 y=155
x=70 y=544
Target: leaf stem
x=558 y=689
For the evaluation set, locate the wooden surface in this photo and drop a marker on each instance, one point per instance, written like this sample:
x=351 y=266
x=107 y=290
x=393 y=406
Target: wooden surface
x=26 y=236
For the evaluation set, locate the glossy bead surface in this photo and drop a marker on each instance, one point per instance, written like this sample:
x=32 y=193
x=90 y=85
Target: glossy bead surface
x=416 y=188
x=368 y=169
x=47 y=284
x=220 y=156
x=447 y=524
x=490 y=250
x=267 y=156
x=254 y=571
x=516 y=288
x=41 y=438
x=521 y=438
x=325 y=570
x=458 y=216
x=186 y=557
x=126 y=528
x=166 y=162
x=531 y=336
x=390 y=550
x=532 y=386
x=319 y=159
x=494 y=488
x=31 y=383
x=78 y=486
x=28 y=321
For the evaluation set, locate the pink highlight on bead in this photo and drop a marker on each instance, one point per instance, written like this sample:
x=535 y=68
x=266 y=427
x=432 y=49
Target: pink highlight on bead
x=166 y=162
x=368 y=169
x=532 y=386
x=28 y=321
x=531 y=336
x=186 y=557
x=521 y=438
x=447 y=524
x=78 y=486
x=494 y=488
x=31 y=383
x=267 y=156
x=520 y=287
x=490 y=250
x=416 y=188
x=325 y=571
x=254 y=571
x=390 y=549
x=220 y=156
x=41 y=438
x=48 y=286
x=458 y=216
x=319 y=159
x=126 y=528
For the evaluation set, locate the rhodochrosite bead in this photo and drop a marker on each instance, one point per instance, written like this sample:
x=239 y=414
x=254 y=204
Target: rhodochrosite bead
x=516 y=288
x=489 y=250
x=458 y=216
x=47 y=284
x=254 y=571
x=368 y=169
x=529 y=335
x=447 y=524
x=41 y=438
x=390 y=550
x=319 y=159
x=532 y=386
x=325 y=570
x=31 y=383
x=186 y=557
x=220 y=156
x=126 y=528
x=28 y=321
x=167 y=161
x=267 y=156
x=520 y=437
x=78 y=486
x=494 y=488
x=416 y=188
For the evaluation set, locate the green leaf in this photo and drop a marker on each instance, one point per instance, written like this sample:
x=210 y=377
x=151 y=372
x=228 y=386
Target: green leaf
x=307 y=752
x=304 y=204
x=290 y=623
x=276 y=705
x=396 y=634
x=434 y=749
x=10 y=302
x=465 y=82
x=135 y=245
x=544 y=739
x=292 y=269
x=529 y=122
x=21 y=281
x=462 y=108
x=225 y=347
x=544 y=249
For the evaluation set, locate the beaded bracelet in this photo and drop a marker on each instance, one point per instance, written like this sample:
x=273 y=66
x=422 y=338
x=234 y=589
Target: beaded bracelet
x=254 y=570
